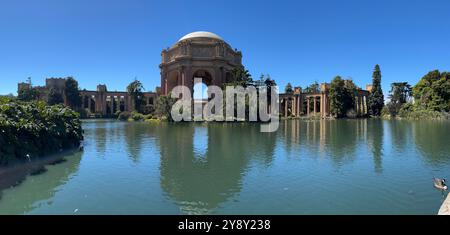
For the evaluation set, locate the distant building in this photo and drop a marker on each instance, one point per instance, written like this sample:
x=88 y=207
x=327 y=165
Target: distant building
x=100 y=101
x=207 y=56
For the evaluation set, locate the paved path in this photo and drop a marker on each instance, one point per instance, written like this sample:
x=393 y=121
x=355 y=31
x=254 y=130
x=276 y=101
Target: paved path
x=445 y=208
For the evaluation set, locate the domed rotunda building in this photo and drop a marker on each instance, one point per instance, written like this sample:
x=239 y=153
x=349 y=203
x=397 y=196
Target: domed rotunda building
x=199 y=54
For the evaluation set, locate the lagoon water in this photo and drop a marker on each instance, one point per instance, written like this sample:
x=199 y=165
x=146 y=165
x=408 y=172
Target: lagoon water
x=306 y=167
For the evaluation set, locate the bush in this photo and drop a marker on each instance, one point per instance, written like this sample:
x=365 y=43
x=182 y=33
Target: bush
x=137 y=116
x=33 y=129
x=124 y=116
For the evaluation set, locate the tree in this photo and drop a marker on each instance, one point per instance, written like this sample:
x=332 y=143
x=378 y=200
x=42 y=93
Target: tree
x=241 y=77
x=135 y=89
x=72 y=93
x=313 y=88
x=288 y=88
x=164 y=105
x=269 y=83
x=432 y=92
x=376 y=97
x=342 y=96
x=398 y=95
x=54 y=97
x=28 y=94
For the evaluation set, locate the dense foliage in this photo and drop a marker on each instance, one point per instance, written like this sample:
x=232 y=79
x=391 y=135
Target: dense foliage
x=28 y=94
x=288 y=88
x=33 y=129
x=164 y=106
x=376 y=98
x=342 y=96
x=135 y=89
x=54 y=97
x=432 y=92
x=72 y=93
x=313 y=88
x=399 y=95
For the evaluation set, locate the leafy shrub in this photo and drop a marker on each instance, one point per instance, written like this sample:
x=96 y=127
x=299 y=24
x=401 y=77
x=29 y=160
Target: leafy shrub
x=124 y=116
x=33 y=129
x=137 y=116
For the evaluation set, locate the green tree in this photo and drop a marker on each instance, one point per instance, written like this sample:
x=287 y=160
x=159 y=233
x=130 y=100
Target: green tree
x=342 y=96
x=72 y=93
x=28 y=94
x=54 y=97
x=376 y=97
x=398 y=95
x=135 y=89
x=241 y=77
x=432 y=92
x=164 y=105
x=313 y=88
x=288 y=88
x=270 y=84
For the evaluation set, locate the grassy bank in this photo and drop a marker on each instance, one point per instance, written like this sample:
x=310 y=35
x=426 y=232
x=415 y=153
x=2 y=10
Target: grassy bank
x=33 y=129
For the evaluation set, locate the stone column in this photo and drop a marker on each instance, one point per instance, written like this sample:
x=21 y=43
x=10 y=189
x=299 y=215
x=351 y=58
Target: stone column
x=307 y=105
x=365 y=105
x=322 y=106
x=294 y=106
x=285 y=107
x=104 y=104
x=89 y=103
x=315 y=105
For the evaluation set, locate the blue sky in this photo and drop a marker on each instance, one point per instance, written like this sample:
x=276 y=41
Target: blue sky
x=114 y=41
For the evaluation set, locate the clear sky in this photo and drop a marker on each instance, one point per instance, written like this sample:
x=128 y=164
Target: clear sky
x=114 y=41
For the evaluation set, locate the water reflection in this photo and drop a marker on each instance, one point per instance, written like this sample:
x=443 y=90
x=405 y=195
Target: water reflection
x=375 y=131
x=39 y=189
x=200 y=184
x=325 y=166
x=429 y=138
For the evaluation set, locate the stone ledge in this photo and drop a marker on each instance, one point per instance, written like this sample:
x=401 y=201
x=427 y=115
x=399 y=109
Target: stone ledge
x=445 y=208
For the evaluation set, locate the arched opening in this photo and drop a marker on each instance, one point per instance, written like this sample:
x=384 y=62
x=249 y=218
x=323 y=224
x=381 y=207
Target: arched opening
x=201 y=80
x=200 y=91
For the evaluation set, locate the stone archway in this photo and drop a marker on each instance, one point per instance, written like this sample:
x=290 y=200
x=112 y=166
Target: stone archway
x=199 y=55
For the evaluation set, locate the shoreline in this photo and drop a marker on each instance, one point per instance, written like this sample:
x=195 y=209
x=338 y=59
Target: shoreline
x=14 y=173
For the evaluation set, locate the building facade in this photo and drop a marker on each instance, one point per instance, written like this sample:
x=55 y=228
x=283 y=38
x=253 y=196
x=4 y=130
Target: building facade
x=206 y=56
x=198 y=55
x=99 y=102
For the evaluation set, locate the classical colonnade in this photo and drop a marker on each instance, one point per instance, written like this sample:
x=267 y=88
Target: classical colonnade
x=108 y=103
x=298 y=104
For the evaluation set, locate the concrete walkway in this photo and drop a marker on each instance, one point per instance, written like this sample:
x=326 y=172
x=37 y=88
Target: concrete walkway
x=445 y=208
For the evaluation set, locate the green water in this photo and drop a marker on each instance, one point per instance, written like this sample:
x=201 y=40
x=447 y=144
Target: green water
x=306 y=167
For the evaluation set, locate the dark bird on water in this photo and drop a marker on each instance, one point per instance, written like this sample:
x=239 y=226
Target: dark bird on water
x=439 y=184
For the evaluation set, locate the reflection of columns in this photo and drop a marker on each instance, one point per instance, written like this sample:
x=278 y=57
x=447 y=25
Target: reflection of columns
x=307 y=105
